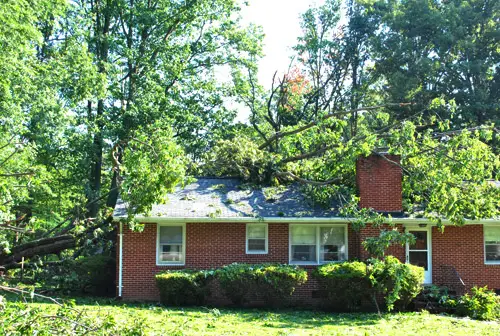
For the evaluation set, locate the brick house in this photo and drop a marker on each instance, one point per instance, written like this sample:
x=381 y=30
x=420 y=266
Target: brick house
x=215 y=222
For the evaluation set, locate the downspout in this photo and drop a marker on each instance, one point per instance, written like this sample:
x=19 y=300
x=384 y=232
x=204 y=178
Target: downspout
x=120 y=261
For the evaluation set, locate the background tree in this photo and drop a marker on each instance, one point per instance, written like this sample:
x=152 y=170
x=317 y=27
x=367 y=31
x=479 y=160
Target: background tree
x=386 y=79
x=105 y=96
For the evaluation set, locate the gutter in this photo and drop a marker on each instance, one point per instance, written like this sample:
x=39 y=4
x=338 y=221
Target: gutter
x=120 y=261
x=158 y=219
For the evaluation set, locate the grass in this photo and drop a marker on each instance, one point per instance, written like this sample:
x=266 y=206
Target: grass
x=161 y=320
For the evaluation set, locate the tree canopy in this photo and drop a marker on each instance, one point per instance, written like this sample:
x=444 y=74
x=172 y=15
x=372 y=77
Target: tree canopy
x=100 y=98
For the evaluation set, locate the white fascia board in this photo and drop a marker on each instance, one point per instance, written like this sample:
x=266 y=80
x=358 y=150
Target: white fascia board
x=407 y=221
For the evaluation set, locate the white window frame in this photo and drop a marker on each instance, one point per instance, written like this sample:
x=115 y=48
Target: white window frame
x=488 y=262
x=266 y=238
x=318 y=245
x=170 y=263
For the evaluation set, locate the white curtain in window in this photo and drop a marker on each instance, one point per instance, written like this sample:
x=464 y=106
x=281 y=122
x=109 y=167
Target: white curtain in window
x=492 y=235
x=334 y=235
x=303 y=235
x=256 y=231
x=171 y=235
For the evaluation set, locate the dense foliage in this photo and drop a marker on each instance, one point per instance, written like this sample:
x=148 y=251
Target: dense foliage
x=183 y=287
x=480 y=304
x=414 y=78
x=104 y=98
x=92 y=275
x=345 y=284
x=398 y=282
x=349 y=283
x=236 y=282
x=272 y=283
x=276 y=283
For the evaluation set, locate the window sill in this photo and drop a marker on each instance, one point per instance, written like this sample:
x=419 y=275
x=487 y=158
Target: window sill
x=305 y=263
x=170 y=264
x=492 y=262
x=256 y=252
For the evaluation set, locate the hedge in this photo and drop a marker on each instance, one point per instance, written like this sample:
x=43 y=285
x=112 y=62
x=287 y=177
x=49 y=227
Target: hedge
x=347 y=284
x=182 y=287
x=272 y=283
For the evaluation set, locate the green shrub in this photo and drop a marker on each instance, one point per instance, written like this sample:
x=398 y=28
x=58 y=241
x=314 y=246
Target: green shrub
x=345 y=284
x=438 y=299
x=399 y=283
x=94 y=275
x=276 y=282
x=483 y=304
x=182 y=287
x=236 y=281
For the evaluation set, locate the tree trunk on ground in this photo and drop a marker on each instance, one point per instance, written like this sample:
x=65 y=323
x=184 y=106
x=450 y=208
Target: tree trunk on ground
x=41 y=246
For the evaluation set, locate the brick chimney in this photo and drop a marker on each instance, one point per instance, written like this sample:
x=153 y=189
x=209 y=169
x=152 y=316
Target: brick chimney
x=379 y=182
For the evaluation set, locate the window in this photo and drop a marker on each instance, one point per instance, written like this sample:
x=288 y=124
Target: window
x=492 y=244
x=256 y=239
x=171 y=247
x=317 y=244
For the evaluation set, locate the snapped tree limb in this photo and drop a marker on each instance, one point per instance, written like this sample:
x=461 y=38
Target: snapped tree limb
x=280 y=135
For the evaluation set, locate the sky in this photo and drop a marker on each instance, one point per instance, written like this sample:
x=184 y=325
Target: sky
x=280 y=20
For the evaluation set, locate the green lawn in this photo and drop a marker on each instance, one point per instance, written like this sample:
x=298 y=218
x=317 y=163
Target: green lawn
x=204 y=321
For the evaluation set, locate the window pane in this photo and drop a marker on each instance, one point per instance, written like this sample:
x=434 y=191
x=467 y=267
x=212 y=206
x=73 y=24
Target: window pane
x=256 y=231
x=420 y=240
x=418 y=259
x=332 y=244
x=257 y=245
x=493 y=252
x=305 y=235
x=170 y=234
x=330 y=253
x=492 y=235
x=171 y=253
x=304 y=253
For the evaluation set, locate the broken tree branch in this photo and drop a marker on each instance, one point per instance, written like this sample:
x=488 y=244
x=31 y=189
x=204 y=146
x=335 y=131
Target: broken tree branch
x=306 y=181
x=279 y=135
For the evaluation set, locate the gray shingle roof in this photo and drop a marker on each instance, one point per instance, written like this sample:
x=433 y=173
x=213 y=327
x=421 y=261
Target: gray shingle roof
x=228 y=198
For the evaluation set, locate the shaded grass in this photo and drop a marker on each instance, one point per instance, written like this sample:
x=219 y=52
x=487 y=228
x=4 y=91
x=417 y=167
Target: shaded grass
x=160 y=320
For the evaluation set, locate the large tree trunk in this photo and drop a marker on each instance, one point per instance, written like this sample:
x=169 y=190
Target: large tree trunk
x=101 y=31
x=41 y=246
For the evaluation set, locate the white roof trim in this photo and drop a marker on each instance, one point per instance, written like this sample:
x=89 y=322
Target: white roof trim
x=156 y=219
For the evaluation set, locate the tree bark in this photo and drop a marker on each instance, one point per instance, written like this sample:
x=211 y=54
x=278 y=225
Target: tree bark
x=41 y=246
x=101 y=31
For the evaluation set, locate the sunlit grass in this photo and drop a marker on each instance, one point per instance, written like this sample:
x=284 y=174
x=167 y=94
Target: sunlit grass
x=159 y=320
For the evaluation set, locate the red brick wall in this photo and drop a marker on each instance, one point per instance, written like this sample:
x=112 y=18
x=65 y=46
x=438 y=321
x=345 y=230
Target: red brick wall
x=462 y=248
x=379 y=183
x=211 y=245
x=369 y=231
x=208 y=245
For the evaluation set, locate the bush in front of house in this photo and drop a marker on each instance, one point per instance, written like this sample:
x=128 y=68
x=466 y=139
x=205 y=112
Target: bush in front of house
x=398 y=282
x=236 y=281
x=183 y=287
x=274 y=283
x=96 y=275
x=345 y=284
x=481 y=304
